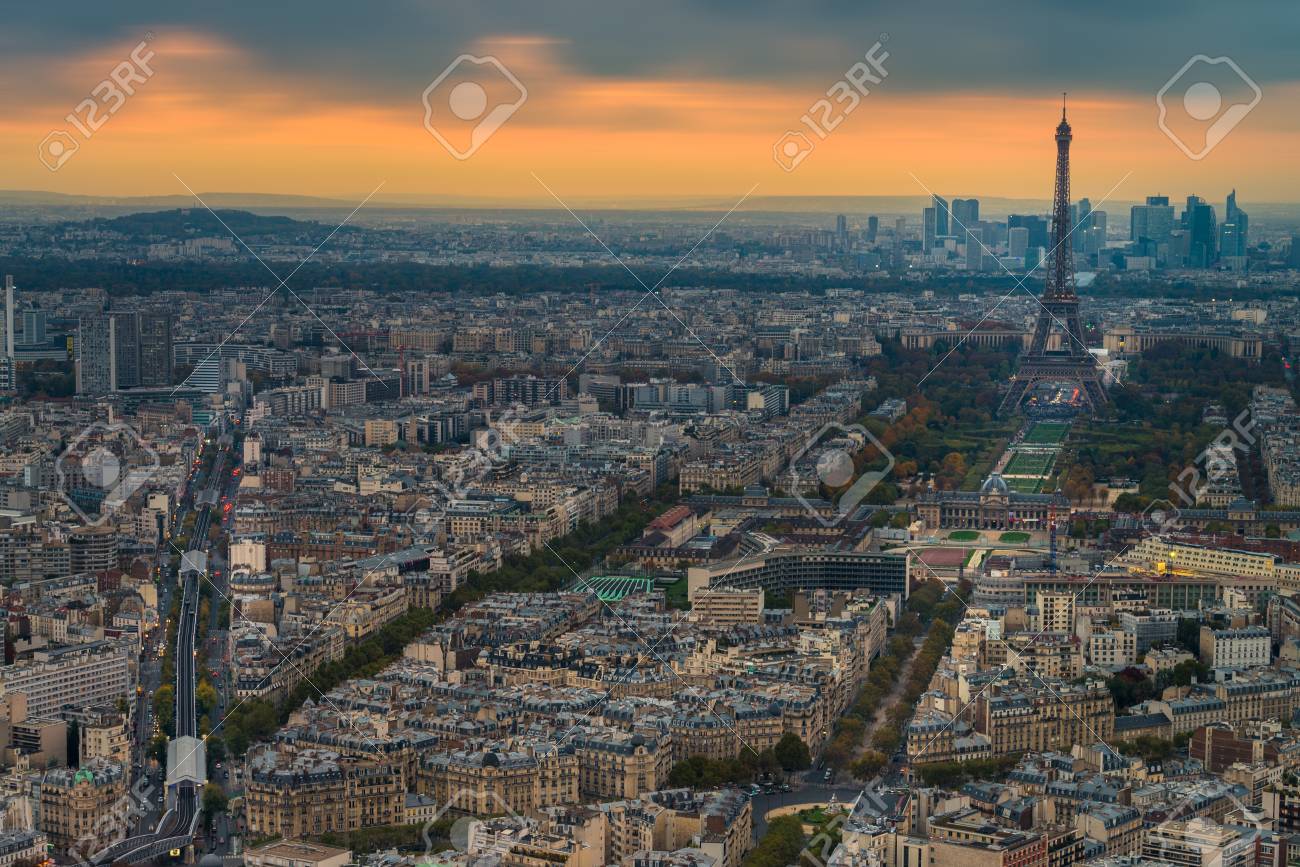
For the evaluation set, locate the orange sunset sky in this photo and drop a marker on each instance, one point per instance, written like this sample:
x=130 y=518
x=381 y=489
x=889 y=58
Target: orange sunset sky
x=233 y=108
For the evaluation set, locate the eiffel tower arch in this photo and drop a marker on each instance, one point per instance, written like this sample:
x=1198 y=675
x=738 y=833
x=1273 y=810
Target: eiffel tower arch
x=1071 y=363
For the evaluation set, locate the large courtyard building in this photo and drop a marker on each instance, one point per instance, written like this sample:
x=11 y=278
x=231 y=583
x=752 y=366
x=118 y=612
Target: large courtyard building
x=993 y=507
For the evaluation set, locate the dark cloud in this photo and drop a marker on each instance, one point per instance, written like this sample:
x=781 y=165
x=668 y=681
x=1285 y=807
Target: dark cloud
x=383 y=47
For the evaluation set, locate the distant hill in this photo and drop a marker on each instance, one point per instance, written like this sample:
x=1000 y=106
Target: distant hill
x=183 y=223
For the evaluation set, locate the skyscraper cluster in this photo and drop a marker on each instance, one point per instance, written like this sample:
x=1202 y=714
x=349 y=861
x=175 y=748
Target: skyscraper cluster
x=1194 y=240
x=958 y=235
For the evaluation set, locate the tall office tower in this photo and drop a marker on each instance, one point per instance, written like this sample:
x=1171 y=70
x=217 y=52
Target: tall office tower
x=965 y=212
x=1093 y=233
x=1229 y=242
x=156 y=356
x=9 y=316
x=897 y=252
x=873 y=228
x=927 y=232
x=941 y=227
x=1099 y=221
x=33 y=327
x=1059 y=305
x=841 y=226
x=1202 y=233
x=126 y=350
x=95 y=354
x=1241 y=221
x=975 y=255
x=1152 y=221
x=1017 y=242
x=1151 y=228
x=1079 y=213
x=1293 y=254
x=1036 y=225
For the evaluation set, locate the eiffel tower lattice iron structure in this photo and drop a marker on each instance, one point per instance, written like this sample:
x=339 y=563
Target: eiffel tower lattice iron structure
x=1072 y=363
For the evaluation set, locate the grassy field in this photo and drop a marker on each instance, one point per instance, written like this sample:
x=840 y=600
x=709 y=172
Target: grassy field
x=676 y=596
x=1028 y=464
x=964 y=535
x=1013 y=536
x=1047 y=433
x=1025 y=486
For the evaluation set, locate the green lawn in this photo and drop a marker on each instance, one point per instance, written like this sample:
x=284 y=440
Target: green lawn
x=1028 y=464
x=964 y=535
x=1013 y=536
x=675 y=594
x=1025 y=486
x=1047 y=433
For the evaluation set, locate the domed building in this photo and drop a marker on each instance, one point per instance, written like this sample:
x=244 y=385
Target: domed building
x=993 y=507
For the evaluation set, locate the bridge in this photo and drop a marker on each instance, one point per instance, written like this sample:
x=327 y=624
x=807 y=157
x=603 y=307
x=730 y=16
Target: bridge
x=186 y=754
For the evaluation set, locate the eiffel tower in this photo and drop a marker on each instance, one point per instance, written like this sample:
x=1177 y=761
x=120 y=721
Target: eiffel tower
x=1072 y=363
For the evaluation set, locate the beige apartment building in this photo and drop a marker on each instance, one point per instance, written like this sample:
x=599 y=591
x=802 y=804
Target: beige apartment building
x=311 y=792
x=725 y=606
x=74 y=804
x=1030 y=717
x=485 y=783
x=106 y=735
x=615 y=764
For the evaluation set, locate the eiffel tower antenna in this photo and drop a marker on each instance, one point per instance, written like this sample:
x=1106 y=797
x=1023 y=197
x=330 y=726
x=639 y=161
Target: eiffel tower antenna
x=1071 y=362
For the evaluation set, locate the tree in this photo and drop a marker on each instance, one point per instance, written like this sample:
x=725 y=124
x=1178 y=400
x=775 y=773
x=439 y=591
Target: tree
x=792 y=753
x=1149 y=747
x=780 y=846
x=886 y=739
x=164 y=706
x=1189 y=634
x=871 y=763
x=214 y=800
x=216 y=752
x=205 y=696
x=158 y=748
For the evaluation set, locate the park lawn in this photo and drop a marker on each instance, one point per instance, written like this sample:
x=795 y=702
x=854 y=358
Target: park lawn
x=964 y=535
x=1047 y=433
x=1013 y=536
x=1028 y=464
x=676 y=594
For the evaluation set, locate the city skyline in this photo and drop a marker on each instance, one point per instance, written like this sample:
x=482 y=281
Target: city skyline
x=698 y=435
